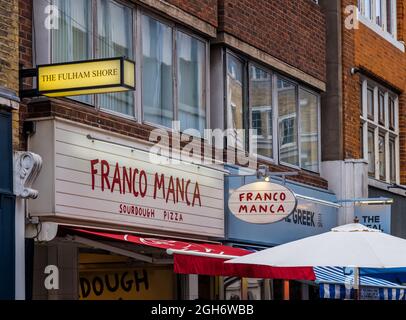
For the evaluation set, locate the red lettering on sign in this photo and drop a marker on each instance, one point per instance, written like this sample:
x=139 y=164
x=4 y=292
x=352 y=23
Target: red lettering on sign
x=105 y=169
x=180 y=189
x=127 y=180
x=143 y=185
x=135 y=192
x=171 y=190
x=196 y=195
x=135 y=181
x=93 y=170
x=158 y=184
x=116 y=179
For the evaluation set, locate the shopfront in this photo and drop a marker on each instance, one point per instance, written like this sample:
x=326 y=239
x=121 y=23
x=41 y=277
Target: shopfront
x=315 y=213
x=94 y=180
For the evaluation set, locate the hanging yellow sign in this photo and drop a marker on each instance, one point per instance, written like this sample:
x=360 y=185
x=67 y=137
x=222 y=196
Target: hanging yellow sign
x=86 y=77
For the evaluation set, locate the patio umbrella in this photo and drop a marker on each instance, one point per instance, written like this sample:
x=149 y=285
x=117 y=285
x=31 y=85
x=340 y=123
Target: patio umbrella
x=351 y=245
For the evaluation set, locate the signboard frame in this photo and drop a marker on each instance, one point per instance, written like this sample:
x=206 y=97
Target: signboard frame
x=270 y=220
x=121 y=86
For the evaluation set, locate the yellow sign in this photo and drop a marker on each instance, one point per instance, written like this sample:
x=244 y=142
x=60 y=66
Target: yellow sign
x=86 y=77
x=150 y=283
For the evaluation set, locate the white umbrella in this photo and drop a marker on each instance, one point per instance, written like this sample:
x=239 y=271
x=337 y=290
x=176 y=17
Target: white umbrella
x=351 y=245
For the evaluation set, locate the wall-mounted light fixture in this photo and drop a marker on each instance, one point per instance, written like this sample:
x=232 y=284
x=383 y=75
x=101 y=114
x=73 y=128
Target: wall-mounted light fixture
x=354 y=70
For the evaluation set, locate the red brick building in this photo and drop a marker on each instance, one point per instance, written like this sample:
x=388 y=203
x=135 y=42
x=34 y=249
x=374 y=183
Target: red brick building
x=363 y=122
x=207 y=64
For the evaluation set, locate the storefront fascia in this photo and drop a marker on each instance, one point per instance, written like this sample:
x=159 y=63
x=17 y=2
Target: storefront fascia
x=82 y=184
x=316 y=212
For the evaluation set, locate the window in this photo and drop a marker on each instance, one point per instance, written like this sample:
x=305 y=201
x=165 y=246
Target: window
x=157 y=65
x=284 y=113
x=381 y=133
x=392 y=160
x=159 y=77
x=71 y=41
x=260 y=102
x=378 y=12
x=389 y=16
x=361 y=134
x=381 y=107
x=391 y=113
x=170 y=59
x=366 y=8
x=234 y=108
x=370 y=101
x=382 y=157
x=191 y=63
x=77 y=38
x=287 y=108
x=382 y=13
x=371 y=153
x=114 y=39
x=309 y=130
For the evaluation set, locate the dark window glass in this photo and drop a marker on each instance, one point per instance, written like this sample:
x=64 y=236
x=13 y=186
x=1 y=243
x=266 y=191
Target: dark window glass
x=370 y=103
x=381 y=105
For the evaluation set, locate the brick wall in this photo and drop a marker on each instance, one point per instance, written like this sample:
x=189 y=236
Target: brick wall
x=8 y=57
x=25 y=57
x=402 y=137
x=351 y=93
x=292 y=31
x=78 y=112
x=8 y=44
x=203 y=9
x=365 y=49
x=401 y=12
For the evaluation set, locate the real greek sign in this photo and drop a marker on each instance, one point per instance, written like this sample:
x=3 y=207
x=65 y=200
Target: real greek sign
x=262 y=202
x=86 y=77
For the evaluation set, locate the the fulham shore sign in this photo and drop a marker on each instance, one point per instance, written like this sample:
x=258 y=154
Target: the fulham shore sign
x=86 y=77
x=262 y=202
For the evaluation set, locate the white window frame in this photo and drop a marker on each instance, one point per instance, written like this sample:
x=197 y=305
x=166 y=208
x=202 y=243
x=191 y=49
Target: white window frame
x=381 y=30
x=275 y=112
x=380 y=129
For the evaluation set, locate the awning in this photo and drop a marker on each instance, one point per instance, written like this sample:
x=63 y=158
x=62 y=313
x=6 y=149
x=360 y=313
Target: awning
x=335 y=275
x=206 y=258
x=339 y=291
x=332 y=286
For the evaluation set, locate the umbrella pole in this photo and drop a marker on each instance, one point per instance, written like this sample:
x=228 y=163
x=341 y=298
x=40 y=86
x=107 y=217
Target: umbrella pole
x=358 y=284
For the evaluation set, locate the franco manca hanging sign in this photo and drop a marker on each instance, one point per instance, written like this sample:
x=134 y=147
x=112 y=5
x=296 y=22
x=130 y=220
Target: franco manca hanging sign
x=82 y=77
x=262 y=202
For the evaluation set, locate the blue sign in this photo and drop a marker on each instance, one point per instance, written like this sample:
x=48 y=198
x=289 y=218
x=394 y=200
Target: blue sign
x=375 y=216
x=309 y=218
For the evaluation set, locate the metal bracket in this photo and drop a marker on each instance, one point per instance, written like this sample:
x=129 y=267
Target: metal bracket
x=28 y=73
x=263 y=172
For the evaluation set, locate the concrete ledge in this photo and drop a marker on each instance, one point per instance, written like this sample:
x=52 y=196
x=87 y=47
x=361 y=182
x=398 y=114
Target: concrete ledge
x=9 y=99
x=182 y=16
x=266 y=58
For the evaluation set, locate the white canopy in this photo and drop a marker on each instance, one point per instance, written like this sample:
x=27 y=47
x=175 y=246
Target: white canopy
x=351 y=245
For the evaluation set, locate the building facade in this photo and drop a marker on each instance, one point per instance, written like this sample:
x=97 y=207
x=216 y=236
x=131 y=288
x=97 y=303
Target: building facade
x=322 y=83
x=362 y=124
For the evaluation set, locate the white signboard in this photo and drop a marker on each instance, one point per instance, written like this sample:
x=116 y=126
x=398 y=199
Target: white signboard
x=262 y=202
x=94 y=181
